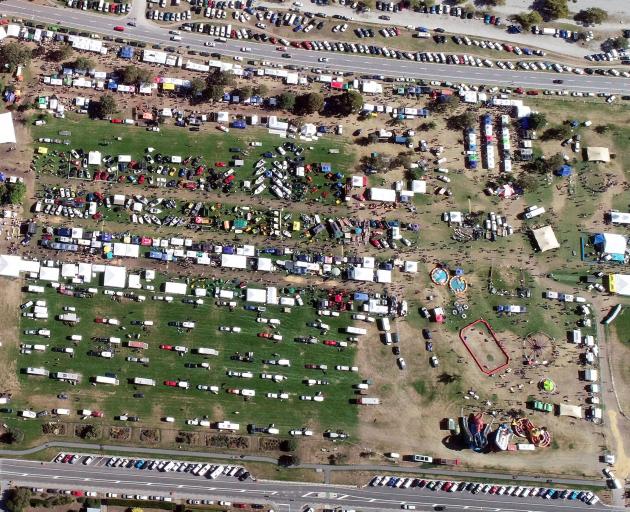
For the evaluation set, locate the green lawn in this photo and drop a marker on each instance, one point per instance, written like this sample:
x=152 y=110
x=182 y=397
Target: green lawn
x=209 y=146
x=334 y=412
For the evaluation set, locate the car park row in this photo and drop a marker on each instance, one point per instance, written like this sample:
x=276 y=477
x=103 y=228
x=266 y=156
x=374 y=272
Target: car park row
x=483 y=488
x=211 y=471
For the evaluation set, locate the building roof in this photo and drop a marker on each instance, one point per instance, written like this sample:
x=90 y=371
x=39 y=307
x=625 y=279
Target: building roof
x=545 y=238
x=597 y=154
x=7 y=132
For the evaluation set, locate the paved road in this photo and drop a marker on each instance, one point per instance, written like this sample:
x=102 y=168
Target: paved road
x=285 y=495
x=87 y=448
x=152 y=34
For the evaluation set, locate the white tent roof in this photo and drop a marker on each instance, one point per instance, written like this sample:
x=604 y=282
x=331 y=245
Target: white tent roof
x=411 y=266
x=134 y=281
x=233 y=261
x=545 y=238
x=69 y=270
x=11 y=265
x=94 y=158
x=256 y=295
x=361 y=274
x=265 y=264
x=620 y=284
x=176 y=288
x=614 y=243
x=574 y=411
x=383 y=276
x=7 y=132
x=49 y=273
x=115 y=277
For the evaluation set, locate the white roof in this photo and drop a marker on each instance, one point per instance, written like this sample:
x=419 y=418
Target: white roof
x=620 y=284
x=115 y=277
x=265 y=264
x=94 y=158
x=361 y=274
x=256 y=295
x=574 y=411
x=620 y=217
x=126 y=250
x=411 y=266
x=134 y=281
x=368 y=262
x=176 y=288
x=7 y=132
x=419 y=186
x=614 y=243
x=383 y=276
x=69 y=270
x=233 y=261
x=545 y=238
x=11 y=265
x=49 y=273
x=382 y=194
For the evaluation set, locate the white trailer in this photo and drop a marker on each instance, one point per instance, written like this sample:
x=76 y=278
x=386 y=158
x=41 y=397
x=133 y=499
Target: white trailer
x=141 y=381
x=100 y=379
x=41 y=372
x=206 y=351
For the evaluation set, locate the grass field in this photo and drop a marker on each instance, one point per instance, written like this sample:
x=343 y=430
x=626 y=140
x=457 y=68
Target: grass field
x=210 y=147
x=40 y=392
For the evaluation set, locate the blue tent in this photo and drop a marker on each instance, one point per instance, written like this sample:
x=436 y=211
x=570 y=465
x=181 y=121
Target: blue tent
x=565 y=170
x=126 y=52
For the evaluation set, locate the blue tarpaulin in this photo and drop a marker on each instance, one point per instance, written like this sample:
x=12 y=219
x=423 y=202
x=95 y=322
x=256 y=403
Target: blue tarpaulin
x=126 y=52
x=565 y=170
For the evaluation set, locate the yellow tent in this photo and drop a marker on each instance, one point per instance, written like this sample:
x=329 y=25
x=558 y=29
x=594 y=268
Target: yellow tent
x=168 y=87
x=42 y=150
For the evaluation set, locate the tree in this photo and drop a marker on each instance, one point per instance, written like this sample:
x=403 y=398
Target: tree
x=425 y=127
x=562 y=131
x=18 y=499
x=214 y=92
x=445 y=103
x=491 y=3
x=528 y=19
x=602 y=128
x=537 y=121
x=288 y=460
x=379 y=162
x=83 y=63
x=63 y=52
x=288 y=445
x=218 y=77
x=135 y=75
x=552 y=9
x=528 y=182
x=345 y=104
x=243 y=92
x=462 y=121
x=260 y=90
x=449 y=378
x=13 y=54
x=308 y=103
x=106 y=106
x=197 y=86
x=286 y=101
x=591 y=16
x=15 y=195
x=618 y=43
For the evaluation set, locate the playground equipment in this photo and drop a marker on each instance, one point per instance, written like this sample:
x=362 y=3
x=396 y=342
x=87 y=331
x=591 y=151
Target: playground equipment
x=475 y=431
x=547 y=385
x=502 y=436
x=439 y=276
x=538 y=436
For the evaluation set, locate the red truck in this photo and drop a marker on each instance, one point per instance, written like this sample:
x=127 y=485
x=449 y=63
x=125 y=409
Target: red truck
x=447 y=462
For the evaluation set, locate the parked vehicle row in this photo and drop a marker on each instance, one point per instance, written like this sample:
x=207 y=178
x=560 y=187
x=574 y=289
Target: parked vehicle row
x=211 y=471
x=99 y=5
x=477 y=488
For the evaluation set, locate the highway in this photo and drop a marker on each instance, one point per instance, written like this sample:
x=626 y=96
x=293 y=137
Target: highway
x=359 y=63
x=283 y=495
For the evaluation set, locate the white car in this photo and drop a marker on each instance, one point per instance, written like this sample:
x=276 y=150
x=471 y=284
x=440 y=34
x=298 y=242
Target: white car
x=435 y=362
x=246 y=49
x=209 y=43
x=323 y=59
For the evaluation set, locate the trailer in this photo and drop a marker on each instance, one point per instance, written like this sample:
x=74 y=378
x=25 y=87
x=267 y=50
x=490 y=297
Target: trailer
x=357 y=331
x=227 y=425
x=66 y=377
x=141 y=381
x=100 y=379
x=138 y=344
x=41 y=372
x=206 y=351
x=447 y=462
x=365 y=400
x=61 y=412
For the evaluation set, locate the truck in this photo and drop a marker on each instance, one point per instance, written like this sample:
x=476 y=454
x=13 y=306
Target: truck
x=447 y=462
x=535 y=212
x=227 y=425
x=421 y=458
x=61 y=412
x=141 y=381
x=138 y=344
x=100 y=379
x=42 y=372
x=356 y=331
x=206 y=351
x=66 y=377
x=366 y=400
x=511 y=308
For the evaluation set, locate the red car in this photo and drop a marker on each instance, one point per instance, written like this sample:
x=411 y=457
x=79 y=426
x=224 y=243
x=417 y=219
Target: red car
x=533 y=92
x=229 y=179
x=77 y=493
x=310 y=366
x=117 y=121
x=67 y=458
x=100 y=320
x=166 y=347
x=170 y=383
x=519 y=90
x=97 y=414
x=220 y=164
x=375 y=243
x=330 y=343
x=264 y=335
x=119 y=28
